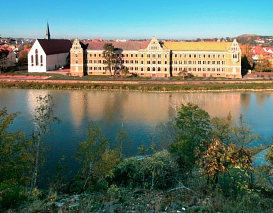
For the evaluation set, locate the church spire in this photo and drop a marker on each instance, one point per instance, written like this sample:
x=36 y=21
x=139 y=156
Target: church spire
x=47 y=33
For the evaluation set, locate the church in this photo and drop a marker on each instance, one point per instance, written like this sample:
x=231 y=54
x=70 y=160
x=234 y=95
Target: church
x=48 y=54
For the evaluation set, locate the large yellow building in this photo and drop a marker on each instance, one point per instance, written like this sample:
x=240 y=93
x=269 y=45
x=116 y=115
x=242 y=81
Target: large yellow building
x=159 y=59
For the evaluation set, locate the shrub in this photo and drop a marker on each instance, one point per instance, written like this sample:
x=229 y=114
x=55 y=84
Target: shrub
x=11 y=195
x=151 y=172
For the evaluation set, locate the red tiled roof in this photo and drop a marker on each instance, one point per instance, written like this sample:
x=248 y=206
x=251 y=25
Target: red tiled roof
x=127 y=45
x=55 y=46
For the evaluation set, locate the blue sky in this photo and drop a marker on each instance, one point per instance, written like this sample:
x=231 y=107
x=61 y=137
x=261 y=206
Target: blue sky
x=139 y=19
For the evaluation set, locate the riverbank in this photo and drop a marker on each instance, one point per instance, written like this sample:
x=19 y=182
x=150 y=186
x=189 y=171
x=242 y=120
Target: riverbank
x=131 y=84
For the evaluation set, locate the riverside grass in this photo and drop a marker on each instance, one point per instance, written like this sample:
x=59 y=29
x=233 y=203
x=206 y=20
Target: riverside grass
x=212 y=86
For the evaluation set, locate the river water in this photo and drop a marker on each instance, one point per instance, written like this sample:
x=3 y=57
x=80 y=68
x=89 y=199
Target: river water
x=138 y=113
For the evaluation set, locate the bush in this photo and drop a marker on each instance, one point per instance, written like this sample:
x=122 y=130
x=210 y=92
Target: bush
x=11 y=195
x=150 y=172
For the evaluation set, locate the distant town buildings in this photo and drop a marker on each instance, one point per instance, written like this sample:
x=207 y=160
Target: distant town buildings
x=152 y=58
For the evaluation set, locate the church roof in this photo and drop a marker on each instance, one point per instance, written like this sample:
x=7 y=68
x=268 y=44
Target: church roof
x=198 y=46
x=55 y=46
x=125 y=45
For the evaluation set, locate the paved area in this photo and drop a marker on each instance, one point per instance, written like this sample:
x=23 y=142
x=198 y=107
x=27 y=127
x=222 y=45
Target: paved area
x=28 y=77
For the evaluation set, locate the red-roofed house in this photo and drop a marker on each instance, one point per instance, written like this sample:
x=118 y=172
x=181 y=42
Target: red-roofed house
x=7 y=57
x=48 y=54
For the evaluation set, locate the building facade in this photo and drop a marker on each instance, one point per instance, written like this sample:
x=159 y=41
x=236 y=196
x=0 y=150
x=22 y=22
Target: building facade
x=159 y=59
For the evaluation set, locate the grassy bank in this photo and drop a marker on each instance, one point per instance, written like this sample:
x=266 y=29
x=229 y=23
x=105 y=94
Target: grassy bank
x=156 y=86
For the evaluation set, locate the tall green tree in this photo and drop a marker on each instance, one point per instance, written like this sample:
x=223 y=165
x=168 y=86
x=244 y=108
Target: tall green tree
x=194 y=128
x=109 y=56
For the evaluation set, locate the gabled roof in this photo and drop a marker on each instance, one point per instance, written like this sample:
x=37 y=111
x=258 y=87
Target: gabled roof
x=127 y=45
x=55 y=46
x=198 y=46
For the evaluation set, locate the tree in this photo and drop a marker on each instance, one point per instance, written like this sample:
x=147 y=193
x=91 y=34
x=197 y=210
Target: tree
x=96 y=158
x=123 y=142
x=23 y=57
x=125 y=71
x=15 y=153
x=43 y=119
x=194 y=128
x=109 y=56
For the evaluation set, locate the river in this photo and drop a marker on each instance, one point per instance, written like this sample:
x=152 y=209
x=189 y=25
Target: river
x=138 y=113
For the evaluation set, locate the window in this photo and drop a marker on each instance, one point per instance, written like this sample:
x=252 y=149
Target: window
x=148 y=69
x=189 y=55
x=165 y=62
x=199 y=69
x=159 y=55
x=41 y=60
x=153 y=55
x=166 y=56
x=99 y=55
x=90 y=55
x=76 y=61
x=90 y=68
x=136 y=61
x=142 y=62
x=136 y=55
x=218 y=62
x=153 y=68
x=185 y=62
x=148 y=62
x=204 y=62
x=159 y=62
x=158 y=69
x=148 y=55
x=141 y=69
x=31 y=60
x=95 y=55
x=165 y=69
x=141 y=55
x=36 y=57
x=194 y=55
x=223 y=62
x=132 y=55
x=199 y=62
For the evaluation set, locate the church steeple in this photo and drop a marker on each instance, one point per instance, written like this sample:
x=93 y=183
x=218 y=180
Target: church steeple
x=47 y=32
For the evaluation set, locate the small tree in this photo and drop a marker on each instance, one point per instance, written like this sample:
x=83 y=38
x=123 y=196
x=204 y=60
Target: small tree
x=194 y=128
x=123 y=142
x=96 y=158
x=15 y=152
x=43 y=119
x=22 y=59
x=109 y=56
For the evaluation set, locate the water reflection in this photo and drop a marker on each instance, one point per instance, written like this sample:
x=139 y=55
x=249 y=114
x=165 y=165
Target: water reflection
x=137 y=112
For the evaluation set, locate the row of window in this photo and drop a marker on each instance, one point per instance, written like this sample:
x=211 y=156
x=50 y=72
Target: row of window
x=159 y=62
x=133 y=69
x=36 y=59
x=199 y=69
x=129 y=55
x=175 y=55
x=199 y=62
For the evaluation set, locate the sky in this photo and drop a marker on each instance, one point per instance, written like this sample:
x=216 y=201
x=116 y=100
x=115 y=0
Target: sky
x=138 y=19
